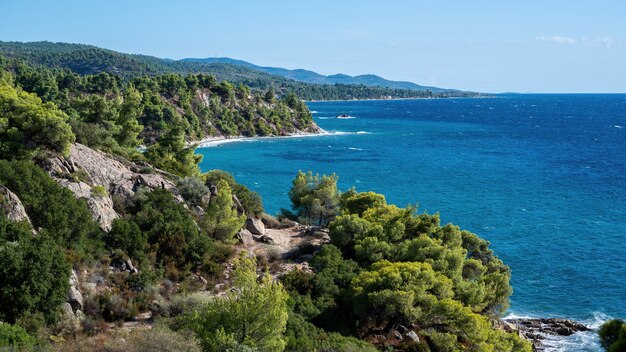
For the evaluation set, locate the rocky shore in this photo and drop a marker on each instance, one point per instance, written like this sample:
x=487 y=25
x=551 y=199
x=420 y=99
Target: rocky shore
x=538 y=329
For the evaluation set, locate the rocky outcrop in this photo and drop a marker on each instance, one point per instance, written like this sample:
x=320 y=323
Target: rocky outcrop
x=74 y=297
x=85 y=169
x=538 y=329
x=245 y=237
x=255 y=226
x=11 y=205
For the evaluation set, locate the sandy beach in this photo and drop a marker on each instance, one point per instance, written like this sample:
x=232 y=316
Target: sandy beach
x=217 y=141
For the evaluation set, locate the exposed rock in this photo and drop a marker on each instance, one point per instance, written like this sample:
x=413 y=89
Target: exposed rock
x=245 y=237
x=75 y=298
x=411 y=335
x=287 y=223
x=130 y=267
x=85 y=168
x=238 y=206
x=264 y=239
x=101 y=207
x=255 y=226
x=538 y=329
x=394 y=334
x=11 y=205
x=90 y=288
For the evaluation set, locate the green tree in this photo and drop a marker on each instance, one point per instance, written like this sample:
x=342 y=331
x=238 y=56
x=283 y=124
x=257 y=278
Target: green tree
x=251 y=201
x=613 y=335
x=315 y=199
x=28 y=126
x=34 y=275
x=14 y=336
x=172 y=154
x=127 y=236
x=51 y=207
x=128 y=119
x=221 y=220
x=252 y=314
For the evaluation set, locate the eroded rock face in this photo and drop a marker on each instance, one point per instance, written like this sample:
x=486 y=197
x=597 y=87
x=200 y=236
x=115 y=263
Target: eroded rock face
x=11 y=205
x=86 y=168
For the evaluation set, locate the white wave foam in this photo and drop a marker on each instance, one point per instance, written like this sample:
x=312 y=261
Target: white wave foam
x=346 y=117
x=326 y=117
x=618 y=126
x=314 y=112
x=352 y=148
x=586 y=341
x=363 y=132
x=214 y=142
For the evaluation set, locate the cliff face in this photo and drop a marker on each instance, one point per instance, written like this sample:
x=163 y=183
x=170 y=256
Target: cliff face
x=97 y=177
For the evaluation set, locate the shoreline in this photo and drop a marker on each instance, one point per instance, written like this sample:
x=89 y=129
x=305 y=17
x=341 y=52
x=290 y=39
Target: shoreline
x=210 y=142
x=393 y=99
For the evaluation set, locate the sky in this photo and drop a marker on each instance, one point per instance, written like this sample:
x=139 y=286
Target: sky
x=542 y=46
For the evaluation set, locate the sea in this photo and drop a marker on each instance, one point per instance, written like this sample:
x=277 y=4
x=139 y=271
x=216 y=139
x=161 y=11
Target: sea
x=542 y=177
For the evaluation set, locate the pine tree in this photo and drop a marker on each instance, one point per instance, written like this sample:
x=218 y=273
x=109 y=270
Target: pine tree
x=221 y=220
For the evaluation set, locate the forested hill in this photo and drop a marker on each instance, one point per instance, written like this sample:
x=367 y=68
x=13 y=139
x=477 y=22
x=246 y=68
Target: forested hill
x=162 y=112
x=316 y=78
x=86 y=60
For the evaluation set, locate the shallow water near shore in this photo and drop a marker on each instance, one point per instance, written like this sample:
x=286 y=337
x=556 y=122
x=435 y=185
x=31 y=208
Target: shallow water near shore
x=542 y=177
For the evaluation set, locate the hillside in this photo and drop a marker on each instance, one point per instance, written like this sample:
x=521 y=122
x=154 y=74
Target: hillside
x=109 y=248
x=88 y=60
x=308 y=76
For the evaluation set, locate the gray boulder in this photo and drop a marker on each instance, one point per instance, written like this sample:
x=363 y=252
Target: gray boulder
x=11 y=205
x=245 y=237
x=411 y=335
x=75 y=298
x=255 y=226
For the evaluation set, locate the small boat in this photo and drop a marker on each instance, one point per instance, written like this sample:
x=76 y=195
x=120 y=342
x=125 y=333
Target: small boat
x=344 y=116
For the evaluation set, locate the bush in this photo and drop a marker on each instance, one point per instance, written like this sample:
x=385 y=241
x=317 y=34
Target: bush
x=14 y=336
x=34 y=275
x=252 y=314
x=613 y=335
x=51 y=207
x=99 y=191
x=192 y=189
x=250 y=201
x=127 y=236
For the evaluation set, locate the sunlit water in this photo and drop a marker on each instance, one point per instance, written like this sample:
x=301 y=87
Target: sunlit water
x=543 y=177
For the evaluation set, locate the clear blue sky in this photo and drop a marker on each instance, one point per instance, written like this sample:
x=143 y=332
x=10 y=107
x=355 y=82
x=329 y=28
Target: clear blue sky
x=491 y=46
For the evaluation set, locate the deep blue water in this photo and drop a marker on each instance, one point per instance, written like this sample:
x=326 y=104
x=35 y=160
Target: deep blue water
x=543 y=177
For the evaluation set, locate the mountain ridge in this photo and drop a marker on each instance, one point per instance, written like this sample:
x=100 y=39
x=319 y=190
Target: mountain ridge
x=309 y=76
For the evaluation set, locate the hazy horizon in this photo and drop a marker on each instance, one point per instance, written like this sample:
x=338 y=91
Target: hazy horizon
x=487 y=46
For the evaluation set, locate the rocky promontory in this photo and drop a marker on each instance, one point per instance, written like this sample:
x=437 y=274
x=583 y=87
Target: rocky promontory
x=538 y=329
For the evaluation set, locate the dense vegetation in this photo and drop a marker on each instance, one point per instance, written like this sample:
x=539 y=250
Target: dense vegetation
x=91 y=60
x=613 y=335
x=386 y=269
x=164 y=113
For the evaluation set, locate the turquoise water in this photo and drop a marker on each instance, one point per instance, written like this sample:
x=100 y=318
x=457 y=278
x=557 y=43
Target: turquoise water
x=540 y=176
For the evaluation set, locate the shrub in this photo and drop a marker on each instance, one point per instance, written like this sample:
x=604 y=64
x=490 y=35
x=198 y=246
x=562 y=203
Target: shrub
x=613 y=335
x=14 y=336
x=253 y=314
x=127 y=236
x=34 y=275
x=99 y=191
x=192 y=189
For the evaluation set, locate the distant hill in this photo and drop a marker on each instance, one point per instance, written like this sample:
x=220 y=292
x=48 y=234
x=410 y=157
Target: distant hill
x=316 y=78
x=88 y=60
